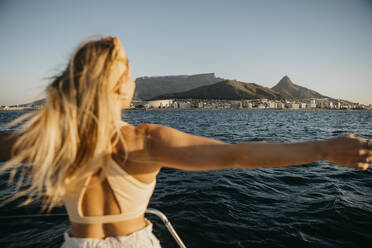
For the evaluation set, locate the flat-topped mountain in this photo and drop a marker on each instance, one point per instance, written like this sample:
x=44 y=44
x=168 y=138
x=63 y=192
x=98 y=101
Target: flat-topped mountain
x=149 y=87
x=293 y=91
x=227 y=89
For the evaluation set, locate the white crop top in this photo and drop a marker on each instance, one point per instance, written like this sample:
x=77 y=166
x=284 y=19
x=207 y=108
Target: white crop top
x=131 y=194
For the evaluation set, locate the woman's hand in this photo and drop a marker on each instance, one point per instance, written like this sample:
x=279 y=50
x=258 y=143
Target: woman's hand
x=350 y=151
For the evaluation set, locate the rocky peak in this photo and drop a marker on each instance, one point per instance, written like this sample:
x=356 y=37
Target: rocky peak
x=285 y=81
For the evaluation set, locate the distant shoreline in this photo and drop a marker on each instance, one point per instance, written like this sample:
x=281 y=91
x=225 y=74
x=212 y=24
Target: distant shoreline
x=162 y=109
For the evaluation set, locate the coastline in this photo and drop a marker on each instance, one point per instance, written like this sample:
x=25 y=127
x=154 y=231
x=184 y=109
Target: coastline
x=162 y=109
x=286 y=109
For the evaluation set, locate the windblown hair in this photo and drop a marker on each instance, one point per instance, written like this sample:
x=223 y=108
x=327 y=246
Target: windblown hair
x=73 y=135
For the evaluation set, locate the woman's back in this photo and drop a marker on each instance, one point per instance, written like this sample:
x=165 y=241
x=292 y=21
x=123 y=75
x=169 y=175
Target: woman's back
x=127 y=184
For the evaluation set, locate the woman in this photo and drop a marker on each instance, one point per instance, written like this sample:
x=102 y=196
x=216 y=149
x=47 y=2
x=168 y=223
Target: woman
x=104 y=170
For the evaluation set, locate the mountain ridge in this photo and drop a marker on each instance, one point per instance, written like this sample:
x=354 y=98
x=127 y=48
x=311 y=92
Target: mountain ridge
x=150 y=87
x=226 y=89
x=296 y=92
x=220 y=88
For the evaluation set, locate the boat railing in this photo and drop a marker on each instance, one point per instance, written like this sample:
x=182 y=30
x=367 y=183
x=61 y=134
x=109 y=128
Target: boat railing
x=167 y=224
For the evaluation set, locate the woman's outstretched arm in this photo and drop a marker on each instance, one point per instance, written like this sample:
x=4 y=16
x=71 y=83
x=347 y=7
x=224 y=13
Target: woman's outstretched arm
x=176 y=149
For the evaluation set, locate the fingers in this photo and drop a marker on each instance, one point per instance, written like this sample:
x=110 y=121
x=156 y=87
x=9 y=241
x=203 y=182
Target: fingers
x=365 y=159
x=364 y=143
x=358 y=152
x=362 y=166
x=364 y=163
x=350 y=135
x=363 y=140
x=365 y=152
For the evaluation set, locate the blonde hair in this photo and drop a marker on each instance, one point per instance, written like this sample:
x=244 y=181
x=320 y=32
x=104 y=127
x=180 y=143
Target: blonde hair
x=75 y=132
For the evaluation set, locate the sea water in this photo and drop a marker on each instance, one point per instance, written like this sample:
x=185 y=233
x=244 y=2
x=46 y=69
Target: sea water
x=311 y=205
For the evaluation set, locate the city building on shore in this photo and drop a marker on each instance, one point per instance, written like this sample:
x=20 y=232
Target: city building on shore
x=323 y=103
x=167 y=103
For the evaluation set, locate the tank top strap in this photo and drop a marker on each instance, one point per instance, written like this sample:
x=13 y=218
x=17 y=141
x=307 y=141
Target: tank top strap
x=81 y=196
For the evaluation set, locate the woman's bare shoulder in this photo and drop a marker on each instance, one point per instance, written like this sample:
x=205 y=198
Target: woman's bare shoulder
x=141 y=130
x=137 y=146
x=144 y=130
x=138 y=137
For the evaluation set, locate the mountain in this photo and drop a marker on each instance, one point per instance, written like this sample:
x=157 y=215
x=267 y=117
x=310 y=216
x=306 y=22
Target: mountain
x=227 y=89
x=149 y=87
x=208 y=86
x=293 y=91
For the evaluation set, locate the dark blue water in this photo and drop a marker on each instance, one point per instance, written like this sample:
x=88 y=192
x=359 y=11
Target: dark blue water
x=312 y=205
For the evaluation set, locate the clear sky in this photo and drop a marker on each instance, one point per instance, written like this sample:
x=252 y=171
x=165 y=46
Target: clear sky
x=324 y=45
